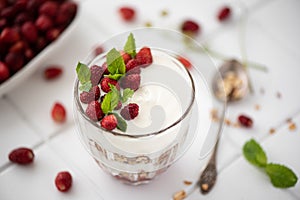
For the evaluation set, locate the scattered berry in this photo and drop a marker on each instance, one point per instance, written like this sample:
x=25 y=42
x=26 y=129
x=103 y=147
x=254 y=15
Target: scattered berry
x=98 y=50
x=52 y=72
x=4 y=72
x=96 y=74
x=224 y=13
x=21 y=156
x=144 y=56
x=105 y=84
x=127 y=13
x=131 y=64
x=190 y=28
x=245 y=121
x=109 y=122
x=185 y=62
x=58 y=113
x=131 y=81
x=130 y=111
x=94 y=111
x=63 y=181
x=92 y=95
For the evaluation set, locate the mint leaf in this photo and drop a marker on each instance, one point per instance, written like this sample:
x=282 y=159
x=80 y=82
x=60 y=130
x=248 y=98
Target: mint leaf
x=114 y=76
x=115 y=96
x=254 y=153
x=115 y=62
x=105 y=105
x=122 y=125
x=86 y=86
x=127 y=93
x=281 y=176
x=130 y=46
x=83 y=73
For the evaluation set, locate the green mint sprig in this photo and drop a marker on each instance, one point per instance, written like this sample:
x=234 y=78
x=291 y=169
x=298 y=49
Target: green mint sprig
x=115 y=62
x=84 y=77
x=280 y=175
x=130 y=47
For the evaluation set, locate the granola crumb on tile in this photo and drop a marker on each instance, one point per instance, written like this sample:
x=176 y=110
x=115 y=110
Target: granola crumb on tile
x=227 y=122
x=187 y=182
x=148 y=24
x=179 y=195
x=292 y=126
x=214 y=115
x=257 y=107
x=164 y=13
x=272 y=131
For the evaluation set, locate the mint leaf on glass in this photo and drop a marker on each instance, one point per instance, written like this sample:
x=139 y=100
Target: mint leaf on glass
x=127 y=93
x=115 y=62
x=86 y=86
x=254 y=153
x=105 y=105
x=130 y=46
x=281 y=176
x=84 y=77
x=122 y=125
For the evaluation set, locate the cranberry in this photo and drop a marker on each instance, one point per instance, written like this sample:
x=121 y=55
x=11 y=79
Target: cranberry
x=40 y=44
x=52 y=72
x=14 y=61
x=3 y=4
x=21 y=156
x=29 y=32
x=224 y=13
x=52 y=34
x=66 y=13
x=29 y=54
x=9 y=35
x=190 y=27
x=22 y=18
x=43 y=23
x=245 y=121
x=4 y=72
x=127 y=13
x=8 y=12
x=63 y=181
x=49 y=8
x=18 y=47
x=20 y=5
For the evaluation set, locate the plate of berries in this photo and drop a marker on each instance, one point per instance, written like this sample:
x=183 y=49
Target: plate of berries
x=29 y=31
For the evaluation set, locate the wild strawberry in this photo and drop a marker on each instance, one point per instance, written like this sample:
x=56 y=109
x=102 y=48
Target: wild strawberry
x=130 y=111
x=127 y=13
x=224 y=13
x=52 y=72
x=4 y=72
x=96 y=74
x=105 y=84
x=63 y=181
x=94 y=111
x=109 y=122
x=245 y=121
x=185 y=62
x=144 y=56
x=190 y=28
x=126 y=57
x=21 y=156
x=58 y=113
x=131 y=64
x=92 y=95
x=131 y=81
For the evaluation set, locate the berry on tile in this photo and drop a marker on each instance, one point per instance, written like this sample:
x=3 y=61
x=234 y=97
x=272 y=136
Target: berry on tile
x=63 y=181
x=58 y=113
x=22 y=156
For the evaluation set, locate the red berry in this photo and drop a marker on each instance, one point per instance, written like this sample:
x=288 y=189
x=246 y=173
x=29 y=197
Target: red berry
x=14 y=61
x=109 y=122
x=94 y=111
x=9 y=35
x=130 y=111
x=52 y=34
x=43 y=23
x=224 y=13
x=190 y=28
x=126 y=57
x=127 y=13
x=105 y=84
x=92 y=95
x=29 y=32
x=96 y=74
x=63 y=181
x=131 y=64
x=52 y=72
x=18 y=47
x=98 y=50
x=58 y=113
x=4 y=72
x=21 y=156
x=22 y=18
x=245 y=121
x=48 y=8
x=144 y=56
x=131 y=81
x=185 y=62
x=66 y=13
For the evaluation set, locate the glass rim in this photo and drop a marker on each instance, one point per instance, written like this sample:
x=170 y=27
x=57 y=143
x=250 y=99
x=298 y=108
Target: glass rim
x=97 y=124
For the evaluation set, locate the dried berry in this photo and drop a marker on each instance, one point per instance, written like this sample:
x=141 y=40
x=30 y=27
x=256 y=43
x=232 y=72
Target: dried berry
x=190 y=28
x=224 y=13
x=9 y=35
x=14 y=61
x=29 y=32
x=144 y=56
x=96 y=74
x=4 y=72
x=48 y=8
x=63 y=181
x=105 y=84
x=131 y=64
x=185 y=62
x=131 y=81
x=43 y=23
x=127 y=13
x=58 y=113
x=126 y=57
x=21 y=156
x=98 y=50
x=130 y=111
x=109 y=122
x=94 y=111
x=245 y=121
x=52 y=72
x=92 y=95
x=52 y=34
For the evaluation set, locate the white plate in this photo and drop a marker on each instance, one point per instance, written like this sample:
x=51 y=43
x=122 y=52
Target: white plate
x=37 y=61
